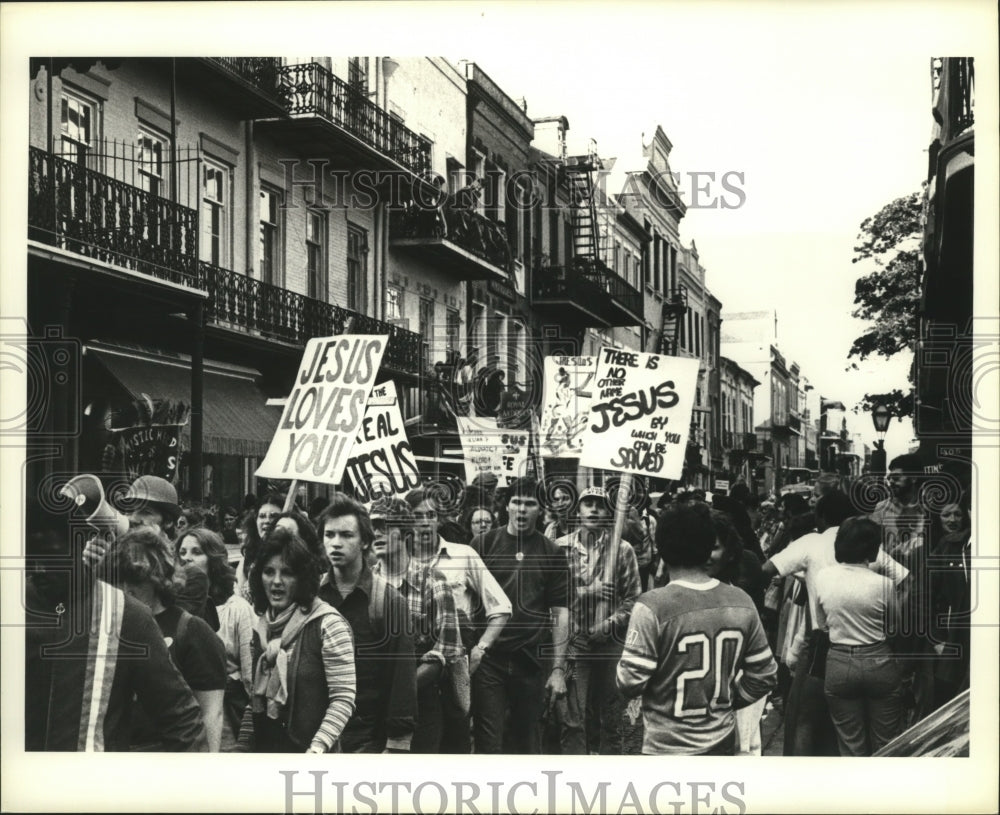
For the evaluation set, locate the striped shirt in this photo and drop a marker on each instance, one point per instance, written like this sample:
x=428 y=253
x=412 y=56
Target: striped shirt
x=338 y=665
x=694 y=652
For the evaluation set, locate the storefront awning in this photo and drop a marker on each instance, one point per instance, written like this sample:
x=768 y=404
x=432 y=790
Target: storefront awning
x=236 y=420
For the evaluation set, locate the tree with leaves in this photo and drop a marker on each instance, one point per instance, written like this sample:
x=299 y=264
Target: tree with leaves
x=888 y=296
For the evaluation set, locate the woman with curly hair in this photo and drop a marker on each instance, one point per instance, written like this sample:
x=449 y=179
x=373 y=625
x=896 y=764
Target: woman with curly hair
x=203 y=549
x=256 y=526
x=142 y=564
x=304 y=686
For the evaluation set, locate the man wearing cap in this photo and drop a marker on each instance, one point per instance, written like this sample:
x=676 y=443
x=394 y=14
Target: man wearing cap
x=599 y=614
x=151 y=501
x=527 y=662
x=482 y=606
x=385 y=708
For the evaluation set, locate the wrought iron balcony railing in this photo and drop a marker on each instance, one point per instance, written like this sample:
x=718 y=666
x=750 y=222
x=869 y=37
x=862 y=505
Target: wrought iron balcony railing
x=461 y=226
x=89 y=213
x=311 y=89
x=583 y=279
x=248 y=304
x=259 y=71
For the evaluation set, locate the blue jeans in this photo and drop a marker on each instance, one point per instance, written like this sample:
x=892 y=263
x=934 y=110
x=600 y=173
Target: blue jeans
x=592 y=679
x=502 y=685
x=864 y=690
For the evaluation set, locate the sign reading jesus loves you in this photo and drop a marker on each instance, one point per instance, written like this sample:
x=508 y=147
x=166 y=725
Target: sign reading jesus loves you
x=324 y=409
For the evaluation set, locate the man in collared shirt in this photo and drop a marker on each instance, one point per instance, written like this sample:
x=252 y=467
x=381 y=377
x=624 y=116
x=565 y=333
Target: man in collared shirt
x=385 y=710
x=483 y=610
x=437 y=641
x=599 y=614
x=904 y=522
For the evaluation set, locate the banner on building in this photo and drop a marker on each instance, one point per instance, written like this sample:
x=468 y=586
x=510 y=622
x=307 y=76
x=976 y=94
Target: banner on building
x=640 y=416
x=568 y=388
x=325 y=409
x=146 y=437
x=152 y=450
x=381 y=462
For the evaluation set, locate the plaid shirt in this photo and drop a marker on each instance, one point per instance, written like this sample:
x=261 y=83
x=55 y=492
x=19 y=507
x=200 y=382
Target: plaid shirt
x=586 y=566
x=436 y=633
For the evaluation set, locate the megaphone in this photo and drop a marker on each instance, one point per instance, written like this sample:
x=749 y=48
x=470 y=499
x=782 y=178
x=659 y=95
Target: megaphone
x=87 y=493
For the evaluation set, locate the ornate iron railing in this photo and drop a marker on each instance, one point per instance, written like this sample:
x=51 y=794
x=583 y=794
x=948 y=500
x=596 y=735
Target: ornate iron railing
x=274 y=312
x=583 y=279
x=311 y=89
x=464 y=227
x=92 y=214
x=259 y=71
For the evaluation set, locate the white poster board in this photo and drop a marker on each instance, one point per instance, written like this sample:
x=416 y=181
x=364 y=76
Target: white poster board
x=640 y=416
x=323 y=412
x=568 y=387
x=381 y=462
x=481 y=447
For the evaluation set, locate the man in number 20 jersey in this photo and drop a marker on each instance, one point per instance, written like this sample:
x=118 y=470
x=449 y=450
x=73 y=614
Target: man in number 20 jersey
x=695 y=649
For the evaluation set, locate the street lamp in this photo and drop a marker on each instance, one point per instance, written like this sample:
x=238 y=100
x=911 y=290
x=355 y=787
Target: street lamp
x=881 y=416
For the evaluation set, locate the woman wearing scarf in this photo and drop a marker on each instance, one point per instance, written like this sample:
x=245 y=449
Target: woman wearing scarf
x=303 y=687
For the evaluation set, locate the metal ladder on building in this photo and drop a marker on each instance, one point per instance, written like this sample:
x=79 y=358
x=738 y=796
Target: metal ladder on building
x=580 y=180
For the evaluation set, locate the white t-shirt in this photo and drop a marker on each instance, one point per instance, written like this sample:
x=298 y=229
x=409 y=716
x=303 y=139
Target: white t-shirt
x=858 y=604
x=814 y=552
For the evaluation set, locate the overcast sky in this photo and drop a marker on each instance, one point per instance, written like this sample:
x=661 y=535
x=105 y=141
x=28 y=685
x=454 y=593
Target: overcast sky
x=825 y=130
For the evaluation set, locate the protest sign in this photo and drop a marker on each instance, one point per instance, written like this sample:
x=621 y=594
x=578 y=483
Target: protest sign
x=514 y=449
x=325 y=409
x=481 y=447
x=640 y=415
x=568 y=389
x=381 y=462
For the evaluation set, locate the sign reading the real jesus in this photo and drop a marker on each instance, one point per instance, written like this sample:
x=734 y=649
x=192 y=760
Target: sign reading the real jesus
x=640 y=416
x=323 y=412
x=381 y=461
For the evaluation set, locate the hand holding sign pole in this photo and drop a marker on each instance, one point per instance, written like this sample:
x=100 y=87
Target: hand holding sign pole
x=324 y=410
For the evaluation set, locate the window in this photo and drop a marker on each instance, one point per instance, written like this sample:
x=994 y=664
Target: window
x=214 y=213
x=426 y=322
x=357 y=268
x=452 y=330
x=479 y=171
x=315 y=254
x=269 y=251
x=393 y=303
x=357 y=73
x=77 y=126
x=617 y=262
x=150 y=150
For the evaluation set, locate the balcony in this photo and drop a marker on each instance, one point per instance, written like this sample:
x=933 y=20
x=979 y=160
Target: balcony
x=330 y=119
x=787 y=422
x=586 y=293
x=456 y=239
x=246 y=304
x=248 y=85
x=80 y=210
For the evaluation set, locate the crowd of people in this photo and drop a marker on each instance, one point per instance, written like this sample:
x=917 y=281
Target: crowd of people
x=501 y=620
